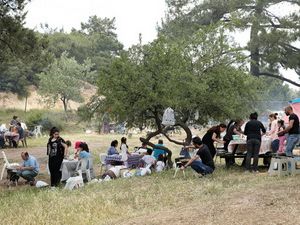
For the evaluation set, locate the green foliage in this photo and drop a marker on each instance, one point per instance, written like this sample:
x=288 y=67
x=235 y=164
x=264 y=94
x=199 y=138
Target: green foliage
x=64 y=80
x=273 y=34
x=46 y=119
x=96 y=40
x=188 y=77
x=22 y=50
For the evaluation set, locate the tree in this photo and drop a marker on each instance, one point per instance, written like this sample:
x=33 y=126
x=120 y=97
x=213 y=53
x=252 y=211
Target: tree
x=22 y=50
x=272 y=37
x=96 y=40
x=188 y=77
x=64 y=79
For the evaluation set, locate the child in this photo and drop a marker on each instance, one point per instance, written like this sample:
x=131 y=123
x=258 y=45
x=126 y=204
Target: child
x=148 y=159
x=113 y=172
x=160 y=165
x=281 y=138
x=84 y=151
x=69 y=144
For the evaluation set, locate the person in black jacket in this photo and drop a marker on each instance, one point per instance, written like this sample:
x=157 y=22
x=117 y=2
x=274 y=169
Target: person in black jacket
x=213 y=135
x=254 y=129
x=57 y=150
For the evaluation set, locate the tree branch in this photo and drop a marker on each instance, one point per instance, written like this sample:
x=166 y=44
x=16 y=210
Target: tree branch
x=279 y=77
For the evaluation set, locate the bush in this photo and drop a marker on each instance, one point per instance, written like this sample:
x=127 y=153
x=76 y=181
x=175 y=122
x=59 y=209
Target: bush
x=45 y=119
x=34 y=118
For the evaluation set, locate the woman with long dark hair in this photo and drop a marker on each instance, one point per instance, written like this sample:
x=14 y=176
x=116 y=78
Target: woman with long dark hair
x=213 y=135
x=57 y=150
x=233 y=129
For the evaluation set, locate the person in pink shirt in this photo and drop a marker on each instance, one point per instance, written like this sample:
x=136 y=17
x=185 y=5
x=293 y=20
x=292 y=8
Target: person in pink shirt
x=281 y=138
x=273 y=132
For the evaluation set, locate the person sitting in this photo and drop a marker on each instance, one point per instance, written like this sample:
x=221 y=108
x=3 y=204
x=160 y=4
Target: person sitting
x=84 y=152
x=13 y=123
x=20 y=131
x=29 y=169
x=148 y=159
x=113 y=148
x=202 y=162
x=160 y=164
x=124 y=146
x=157 y=151
x=143 y=149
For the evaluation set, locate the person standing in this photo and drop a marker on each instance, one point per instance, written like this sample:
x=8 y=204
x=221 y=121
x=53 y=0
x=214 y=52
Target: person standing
x=232 y=129
x=292 y=130
x=213 y=135
x=273 y=132
x=57 y=150
x=29 y=169
x=254 y=130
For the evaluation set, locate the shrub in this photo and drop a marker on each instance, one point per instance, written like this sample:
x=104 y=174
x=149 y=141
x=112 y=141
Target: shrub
x=45 y=119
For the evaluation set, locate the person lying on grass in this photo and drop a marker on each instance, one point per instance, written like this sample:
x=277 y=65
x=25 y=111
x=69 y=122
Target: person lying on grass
x=113 y=172
x=202 y=162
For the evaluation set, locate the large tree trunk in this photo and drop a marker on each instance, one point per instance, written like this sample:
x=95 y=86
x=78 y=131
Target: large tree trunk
x=164 y=131
x=254 y=44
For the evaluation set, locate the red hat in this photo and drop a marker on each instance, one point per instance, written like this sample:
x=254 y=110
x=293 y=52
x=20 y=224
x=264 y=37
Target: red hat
x=77 y=143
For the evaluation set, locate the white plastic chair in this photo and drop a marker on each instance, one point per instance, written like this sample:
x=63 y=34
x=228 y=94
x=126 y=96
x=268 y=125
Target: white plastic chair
x=84 y=166
x=102 y=161
x=7 y=165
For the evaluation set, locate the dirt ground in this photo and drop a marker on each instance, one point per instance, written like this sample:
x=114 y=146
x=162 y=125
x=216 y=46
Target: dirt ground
x=266 y=204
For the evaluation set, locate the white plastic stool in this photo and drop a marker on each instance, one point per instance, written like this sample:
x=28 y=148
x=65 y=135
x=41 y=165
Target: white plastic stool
x=295 y=166
x=280 y=166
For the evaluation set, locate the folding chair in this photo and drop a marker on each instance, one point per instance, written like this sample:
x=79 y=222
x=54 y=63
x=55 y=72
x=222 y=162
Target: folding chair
x=7 y=165
x=179 y=163
x=102 y=161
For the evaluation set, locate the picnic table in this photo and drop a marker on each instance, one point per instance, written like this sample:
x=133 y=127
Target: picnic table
x=264 y=147
x=132 y=161
x=264 y=152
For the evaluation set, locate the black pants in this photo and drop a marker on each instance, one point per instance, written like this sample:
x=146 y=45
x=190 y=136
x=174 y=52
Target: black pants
x=55 y=172
x=211 y=148
x=230 y=160
x=253 y=146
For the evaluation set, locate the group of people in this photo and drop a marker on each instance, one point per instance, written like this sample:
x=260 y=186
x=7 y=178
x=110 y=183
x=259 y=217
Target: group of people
x=14 y=134
x=284 y=140
x=155 y=159
x=151 y=160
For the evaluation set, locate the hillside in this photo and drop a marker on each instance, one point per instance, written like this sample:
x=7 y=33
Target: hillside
x=35 y=101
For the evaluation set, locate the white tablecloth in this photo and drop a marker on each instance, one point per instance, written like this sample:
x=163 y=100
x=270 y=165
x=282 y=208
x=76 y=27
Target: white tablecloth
x=264 y=147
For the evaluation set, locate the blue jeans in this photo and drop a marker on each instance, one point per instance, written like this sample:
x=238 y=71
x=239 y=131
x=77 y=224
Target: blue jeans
x=201 y=168
x=28 y=175
x=275 y=145
x=291 y=142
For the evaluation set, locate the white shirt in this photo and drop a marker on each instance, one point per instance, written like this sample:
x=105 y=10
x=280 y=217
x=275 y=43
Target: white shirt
x=160 y=165
x=124 y=151
x=141 y=151
x=148 y=159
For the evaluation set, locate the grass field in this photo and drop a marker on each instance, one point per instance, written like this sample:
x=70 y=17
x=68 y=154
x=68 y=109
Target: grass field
x=227 y=197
